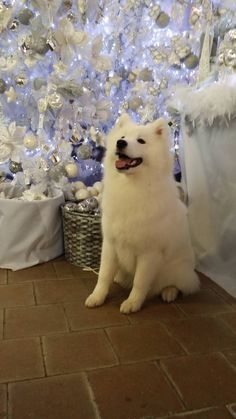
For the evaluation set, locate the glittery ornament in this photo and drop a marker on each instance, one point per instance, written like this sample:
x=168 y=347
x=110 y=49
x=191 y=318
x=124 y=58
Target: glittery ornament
x=174 y=60
x=155 y=11
x=132 y=76
x=135 y=103
x=232 y=35
x=145 y=74
x=194 y=15
x=84 y=152
x=30 y=141
x=230 y=58
x=70 y=206
x=191 y=61
x=183 y=51
x=71 y=170
x=40 y=45
x=163 y=84
x=3 y=86
x=163 y=20
x=13 y=25
x=153 y=90
x=15 y=167
x=25 y=15
x=21 y=79
x=43 y=164
x=55 y=101
x=42 y=105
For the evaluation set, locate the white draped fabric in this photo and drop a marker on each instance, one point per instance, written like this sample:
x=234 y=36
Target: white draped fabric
x=208 y=157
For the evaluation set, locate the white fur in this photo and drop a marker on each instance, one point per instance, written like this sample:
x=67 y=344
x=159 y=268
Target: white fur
x=146 y=240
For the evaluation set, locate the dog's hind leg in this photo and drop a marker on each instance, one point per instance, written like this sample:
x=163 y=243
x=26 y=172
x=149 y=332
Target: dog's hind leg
x=108 y=270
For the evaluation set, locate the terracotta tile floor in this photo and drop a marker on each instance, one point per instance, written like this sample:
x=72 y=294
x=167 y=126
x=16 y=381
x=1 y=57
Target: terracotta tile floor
x=59 y=360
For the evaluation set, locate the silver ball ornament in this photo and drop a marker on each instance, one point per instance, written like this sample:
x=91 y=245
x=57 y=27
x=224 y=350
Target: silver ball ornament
x=30 y=141
x=191 y=61
x=163 y=20
x=25 y=15
x=84 y=152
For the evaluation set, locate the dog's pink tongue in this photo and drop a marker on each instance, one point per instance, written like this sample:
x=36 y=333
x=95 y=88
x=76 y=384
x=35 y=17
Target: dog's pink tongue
x=122 y=163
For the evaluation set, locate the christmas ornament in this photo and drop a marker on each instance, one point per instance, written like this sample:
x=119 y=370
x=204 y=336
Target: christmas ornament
x=11 y=95
x=24 y=16
x=84 y=152
x=191 y=61
x=13 y=25
x=155 y=11
x=163 y=20
x=78 y=185
x=30 y=141
x=98 y=186
x=81 y=194
x=55 y=101
x=71 y=170
x=145 y=74
x=135 y=103
x=55 y=158
x=15 y=166
x=3 y=86
x=21 y=79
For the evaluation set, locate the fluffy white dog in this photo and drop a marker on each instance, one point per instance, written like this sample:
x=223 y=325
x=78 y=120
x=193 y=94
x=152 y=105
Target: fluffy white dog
x=146 y=242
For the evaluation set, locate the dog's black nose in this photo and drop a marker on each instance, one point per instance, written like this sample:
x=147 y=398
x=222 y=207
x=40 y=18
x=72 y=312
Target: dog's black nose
x=121 y=144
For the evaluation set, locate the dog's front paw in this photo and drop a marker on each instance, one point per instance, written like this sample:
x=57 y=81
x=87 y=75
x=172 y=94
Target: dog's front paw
x=169 y=294
x=129 y=306
x=94 y=300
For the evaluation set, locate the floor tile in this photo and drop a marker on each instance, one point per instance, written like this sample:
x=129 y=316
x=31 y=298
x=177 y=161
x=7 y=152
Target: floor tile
x=202 y=380
x=63 y=269
x=61 y=397
x=81 y=317
x=230 y=319
x=155 y=310
x=34 y=321
x=42 y=271
x=60 y=291
x=3 y=276
x=16 y=295
x=213 y=413
x=202 y=334
x=142 y=342
x=3 y=401
x=133 y=391
x=20 y=359
x=77 y=351
x=232 y=409
x=202 y=303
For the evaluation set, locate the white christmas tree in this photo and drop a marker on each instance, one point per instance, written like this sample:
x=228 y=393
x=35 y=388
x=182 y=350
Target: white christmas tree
x=68 y=68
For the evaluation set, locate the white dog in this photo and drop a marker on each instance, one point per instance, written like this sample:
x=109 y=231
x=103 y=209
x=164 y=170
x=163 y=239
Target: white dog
x=145 y=230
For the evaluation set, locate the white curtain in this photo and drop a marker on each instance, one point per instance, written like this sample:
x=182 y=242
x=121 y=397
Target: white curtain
x=208 y=159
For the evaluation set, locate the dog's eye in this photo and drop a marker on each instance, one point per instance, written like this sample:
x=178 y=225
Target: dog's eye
x=141 y=141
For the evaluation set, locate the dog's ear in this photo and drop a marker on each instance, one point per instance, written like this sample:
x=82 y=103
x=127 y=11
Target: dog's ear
x=160 y=127
x=123 y=120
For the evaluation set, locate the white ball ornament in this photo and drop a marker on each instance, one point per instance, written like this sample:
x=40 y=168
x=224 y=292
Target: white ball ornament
x=71 y=170
x=82 y=194
x=98 y=186
x=93 y=191
x=79 y=185
x=30 y=141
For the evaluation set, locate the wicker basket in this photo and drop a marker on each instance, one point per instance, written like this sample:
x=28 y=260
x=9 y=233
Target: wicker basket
x=82 y=238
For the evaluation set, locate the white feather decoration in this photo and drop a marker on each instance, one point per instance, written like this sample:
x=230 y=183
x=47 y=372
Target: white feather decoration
x=217 y=100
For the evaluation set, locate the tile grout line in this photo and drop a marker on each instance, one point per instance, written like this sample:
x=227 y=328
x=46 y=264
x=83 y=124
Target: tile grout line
x=69 y=329
x=172 y=383
x=111 y=346
x=7 y=401
x=3 y=323
x=91 y=396
x=43 y=356
x=34 y=293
